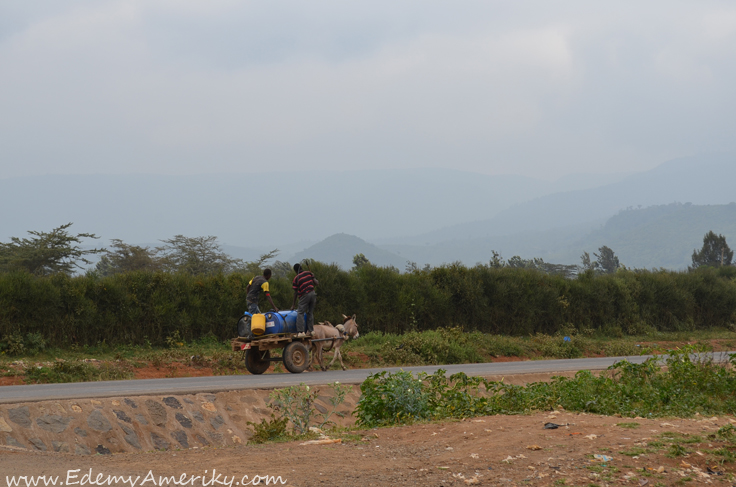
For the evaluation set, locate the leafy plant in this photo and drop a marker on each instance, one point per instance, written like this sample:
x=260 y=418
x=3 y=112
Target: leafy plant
x=35 y=343
x=174 y=340
x=269 y=430
x=392 y=398
x=74 y=371
x=296 y=404
x=13 y=344
x=686 y=383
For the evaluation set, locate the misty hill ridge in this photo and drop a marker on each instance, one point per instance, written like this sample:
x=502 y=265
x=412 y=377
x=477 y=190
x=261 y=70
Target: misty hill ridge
x=341 y=248
x=244 y=210
x=699 y=180
x=662 y=236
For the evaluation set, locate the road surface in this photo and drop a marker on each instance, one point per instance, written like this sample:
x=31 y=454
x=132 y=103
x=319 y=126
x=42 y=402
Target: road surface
x=195 y=385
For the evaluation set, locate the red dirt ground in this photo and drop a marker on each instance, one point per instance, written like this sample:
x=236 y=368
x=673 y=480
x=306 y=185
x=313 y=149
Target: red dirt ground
x=494 y=450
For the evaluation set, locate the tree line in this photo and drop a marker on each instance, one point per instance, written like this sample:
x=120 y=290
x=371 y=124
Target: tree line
x=58 y=251
x=152 y=303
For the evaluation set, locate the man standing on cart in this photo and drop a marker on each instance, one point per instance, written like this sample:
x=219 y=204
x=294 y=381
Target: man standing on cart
x=253 y=292
x=303 y=285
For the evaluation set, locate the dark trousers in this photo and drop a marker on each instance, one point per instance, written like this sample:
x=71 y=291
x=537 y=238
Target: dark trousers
x=306 y=305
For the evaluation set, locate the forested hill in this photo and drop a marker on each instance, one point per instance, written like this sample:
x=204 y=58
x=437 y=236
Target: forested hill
x=341 y=248
x=701 y=180
x=657 y=236
x=661 y=236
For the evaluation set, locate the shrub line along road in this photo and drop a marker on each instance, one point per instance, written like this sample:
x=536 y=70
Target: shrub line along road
x=196 y=385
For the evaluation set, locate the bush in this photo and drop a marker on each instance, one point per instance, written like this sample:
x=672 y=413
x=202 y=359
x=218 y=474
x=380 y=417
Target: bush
x=686 y=383
x=296 y=404
x=269 y=430
x=443 y=346
x=392 y=398
x=149 y=307
x=74 y=371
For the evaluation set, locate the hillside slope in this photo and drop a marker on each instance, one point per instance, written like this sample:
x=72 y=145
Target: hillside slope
x=699 y=180
x=657 y=236
x=257 y=210
x=341 y=248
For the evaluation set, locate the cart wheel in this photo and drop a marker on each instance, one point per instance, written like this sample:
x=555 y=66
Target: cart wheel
x=244 y=326
x=256 y=361
x=296 y=357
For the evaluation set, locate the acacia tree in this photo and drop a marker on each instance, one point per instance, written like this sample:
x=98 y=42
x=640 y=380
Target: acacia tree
x=122 y=257
x=360 y=260
x=714 y=253
x=585 y=262
x=47 y=253
x=278 y=269
x=606 y=261
x=196 y=255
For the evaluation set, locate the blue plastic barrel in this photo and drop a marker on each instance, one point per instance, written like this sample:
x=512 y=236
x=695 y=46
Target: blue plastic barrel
x=289 y=321
x=274 y=323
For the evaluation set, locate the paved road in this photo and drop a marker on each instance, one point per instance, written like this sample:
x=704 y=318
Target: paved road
x=194 y=385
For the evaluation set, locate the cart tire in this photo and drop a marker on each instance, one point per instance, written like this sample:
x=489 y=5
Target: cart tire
x=296 y=357
x=256 y=361
x=244 y=326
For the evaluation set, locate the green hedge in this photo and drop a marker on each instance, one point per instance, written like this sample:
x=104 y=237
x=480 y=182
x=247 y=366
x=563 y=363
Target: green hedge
x=140 y=307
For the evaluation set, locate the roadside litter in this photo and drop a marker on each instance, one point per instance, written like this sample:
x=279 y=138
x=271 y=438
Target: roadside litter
x=323 y=439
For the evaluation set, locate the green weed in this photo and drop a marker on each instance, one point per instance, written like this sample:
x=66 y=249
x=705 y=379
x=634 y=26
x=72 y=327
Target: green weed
x=269 y=430
x=676 y=450
x=681 y=385
x=633 y=452
x=74 y=371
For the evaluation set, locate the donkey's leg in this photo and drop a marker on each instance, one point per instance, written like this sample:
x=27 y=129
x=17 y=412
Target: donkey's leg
x=334 y=356
x=319 y=356
x=311 y=357
x=316 y=355
x=341 y=364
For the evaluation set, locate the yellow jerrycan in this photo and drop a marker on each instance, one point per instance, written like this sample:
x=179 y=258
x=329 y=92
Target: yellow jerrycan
x=258 y=324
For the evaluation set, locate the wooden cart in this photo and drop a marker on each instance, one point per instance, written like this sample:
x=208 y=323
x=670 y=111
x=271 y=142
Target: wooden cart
x=257 y=351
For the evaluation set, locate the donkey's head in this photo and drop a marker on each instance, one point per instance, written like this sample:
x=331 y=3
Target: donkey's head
x=350 y=326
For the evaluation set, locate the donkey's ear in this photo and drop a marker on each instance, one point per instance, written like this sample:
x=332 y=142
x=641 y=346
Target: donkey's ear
x=353 y=317
x=345 y=317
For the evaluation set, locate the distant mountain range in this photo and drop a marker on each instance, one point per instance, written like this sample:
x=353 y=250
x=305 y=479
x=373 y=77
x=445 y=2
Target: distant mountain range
x=698 y=180
x=658 y=236
x=341 y=248
x=422 y=215
x=266 y=210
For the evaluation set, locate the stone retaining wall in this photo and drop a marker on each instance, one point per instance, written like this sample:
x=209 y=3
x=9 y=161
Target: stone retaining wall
x=143 y=423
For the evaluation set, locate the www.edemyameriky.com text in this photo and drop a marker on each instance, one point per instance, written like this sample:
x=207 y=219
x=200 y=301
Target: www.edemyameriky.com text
x=74 y=477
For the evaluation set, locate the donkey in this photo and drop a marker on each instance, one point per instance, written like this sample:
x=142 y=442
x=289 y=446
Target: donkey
x=340 y=333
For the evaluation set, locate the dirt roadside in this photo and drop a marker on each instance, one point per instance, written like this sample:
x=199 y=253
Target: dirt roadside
x=496 y=450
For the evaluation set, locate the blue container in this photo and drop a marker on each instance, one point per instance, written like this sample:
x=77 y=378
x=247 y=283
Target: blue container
x=289 y=320
x=274 y=323
x=281 y=322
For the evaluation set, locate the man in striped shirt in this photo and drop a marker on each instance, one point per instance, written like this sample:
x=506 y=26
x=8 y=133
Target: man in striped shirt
x=303 y=285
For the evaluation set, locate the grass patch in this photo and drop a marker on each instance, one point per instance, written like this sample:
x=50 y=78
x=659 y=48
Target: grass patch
x=374 y=349
x=634 y=452
x=452 y=345
x=680 y=385
x=628 y=425
x=676 y=450
x=75 y=371
x=681 y=438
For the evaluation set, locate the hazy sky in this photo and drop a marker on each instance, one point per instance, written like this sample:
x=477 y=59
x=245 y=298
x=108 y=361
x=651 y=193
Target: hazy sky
x=525 y=87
